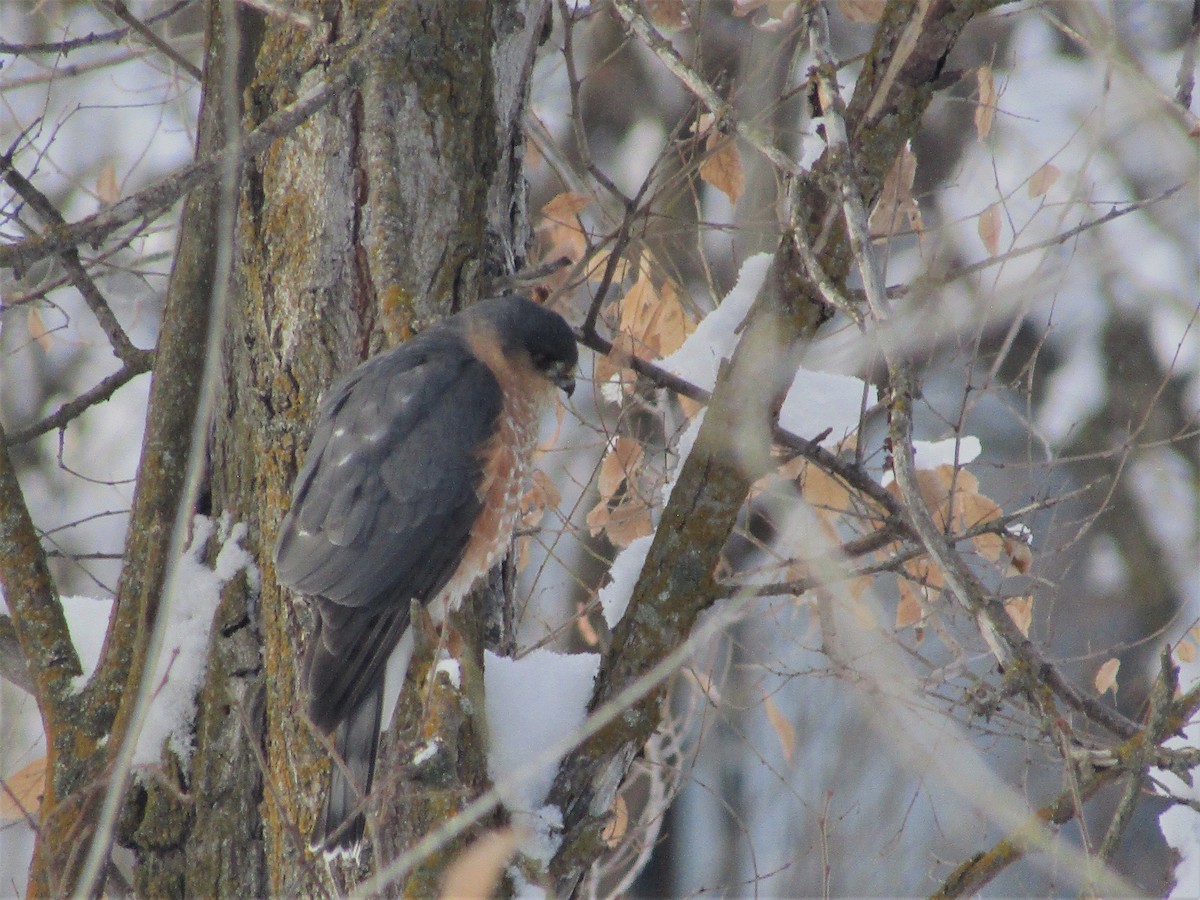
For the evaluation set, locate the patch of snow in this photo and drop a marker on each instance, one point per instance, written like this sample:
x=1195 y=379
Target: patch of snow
x=614 y=596
x=534 y=703
x=190 y=602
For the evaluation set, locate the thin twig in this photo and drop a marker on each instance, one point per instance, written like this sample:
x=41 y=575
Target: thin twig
x=142 y=362
x=995 y=625
x=725 y=114
x=88 y=40
x=151 y=202
x=121 y=345
x=121 y=11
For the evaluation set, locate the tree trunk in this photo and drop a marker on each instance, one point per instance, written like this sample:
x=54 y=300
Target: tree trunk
x=398 y=203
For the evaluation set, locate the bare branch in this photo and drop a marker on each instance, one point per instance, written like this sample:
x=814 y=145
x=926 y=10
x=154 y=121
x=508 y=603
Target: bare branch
x=37 y=615
x=639 y=25
x=121 y=11
x=142 y=361
x=122 y=346
x=997 y=627
x=150 y=203
x=89 y=40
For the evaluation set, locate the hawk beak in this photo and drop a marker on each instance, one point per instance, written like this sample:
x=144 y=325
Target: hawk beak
x=563 y=376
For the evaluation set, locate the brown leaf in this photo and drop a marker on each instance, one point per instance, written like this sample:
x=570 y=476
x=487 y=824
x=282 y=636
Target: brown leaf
x=782 y=727
x=37 y=328
x=896 y=207
x=1185 y=651
x=989 y=228
x=476 y=871
x=668 y=15
x=629 y=521
x=673 y=324
x=908 y=610
x=1020 y=610
x=107 y=188
x=564 y=207
x=637 y=309
x=597 y=518
x=587 y=630
x=1020 y=556
x=985 y=112
x=862 y=10
x=616 y=827
x=1043 y=179
x=620 y=464
x=26 y=786
x=1106 y=676
x=722 y=167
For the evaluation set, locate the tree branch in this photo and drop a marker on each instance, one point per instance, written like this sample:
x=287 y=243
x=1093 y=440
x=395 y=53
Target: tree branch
x=37 y=614
x=121 y=345
x=121 y=11
x=143 y=361
x=153 y=201
x=997 y=627
x=88 y=40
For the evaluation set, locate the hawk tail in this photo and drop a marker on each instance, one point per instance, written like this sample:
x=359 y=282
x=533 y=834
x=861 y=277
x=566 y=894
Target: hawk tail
x=356 y=742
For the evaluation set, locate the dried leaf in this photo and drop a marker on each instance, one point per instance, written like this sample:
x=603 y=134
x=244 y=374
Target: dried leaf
x=564 y=207
x=1043 y=179
x=1106 y=676
x=908 y=610
x=862 y=10
x=669 y=15
x=620 y=463
x=476 y=871
x=989 y=228
x=629 y=521
x=1185 y=651
x=26 y=786
x=637 y=309
x=37 y=328
x=1020 y=556
x=597 y=518
x=673 y=324
x=775 y=13
x=107 y=188
x=722 y=167
x=1020 y=610
x=896 y=207
x=782 y=727
x=617 y=826
x=824 y=492
x=985 y=112
x=587 y=630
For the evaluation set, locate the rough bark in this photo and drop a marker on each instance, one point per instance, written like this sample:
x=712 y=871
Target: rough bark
x=390 y=208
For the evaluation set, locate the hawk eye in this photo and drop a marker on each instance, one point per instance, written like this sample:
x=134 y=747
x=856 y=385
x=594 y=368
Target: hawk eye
x=540 y=359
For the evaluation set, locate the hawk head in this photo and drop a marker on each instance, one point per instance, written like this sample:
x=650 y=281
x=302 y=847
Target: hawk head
x=528 y=331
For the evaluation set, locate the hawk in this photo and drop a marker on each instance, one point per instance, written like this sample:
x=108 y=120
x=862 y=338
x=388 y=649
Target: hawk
x=410 y=489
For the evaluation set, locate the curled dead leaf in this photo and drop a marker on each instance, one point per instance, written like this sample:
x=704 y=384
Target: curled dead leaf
x=1106 y=676
x=22 y=792
x=476 y=871
x=781 y=726
x=989 y=228
x=985 y=112
x=1020 y=610
x=1043 y=179
x=618 y=824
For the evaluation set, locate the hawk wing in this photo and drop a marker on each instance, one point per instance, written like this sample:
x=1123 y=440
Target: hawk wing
x=384 y=505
